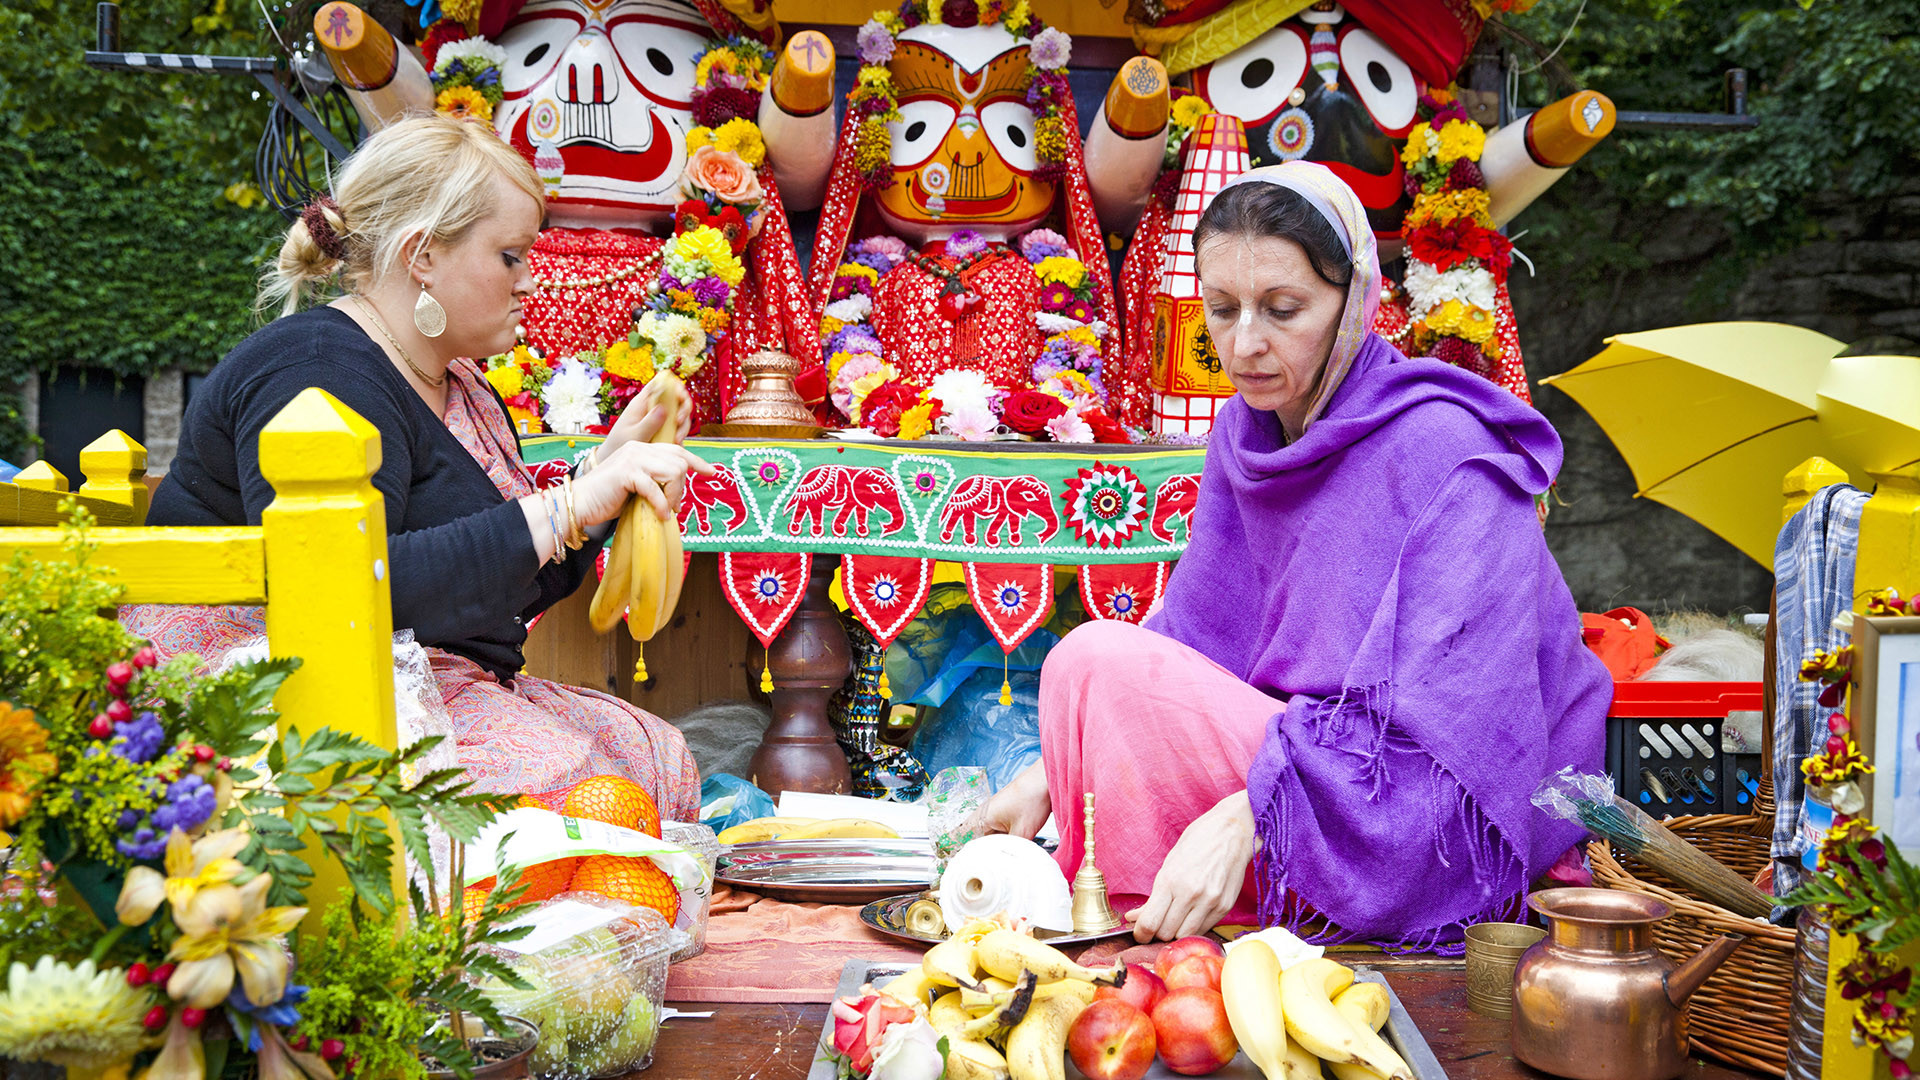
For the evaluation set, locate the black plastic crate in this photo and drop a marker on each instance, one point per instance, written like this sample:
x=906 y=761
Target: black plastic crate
x=1668 y=747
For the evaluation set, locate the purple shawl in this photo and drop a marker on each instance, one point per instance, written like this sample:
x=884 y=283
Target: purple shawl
x=1386 y=579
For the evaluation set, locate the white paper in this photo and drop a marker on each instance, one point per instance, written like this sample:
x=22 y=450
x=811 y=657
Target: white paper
x=556 y=923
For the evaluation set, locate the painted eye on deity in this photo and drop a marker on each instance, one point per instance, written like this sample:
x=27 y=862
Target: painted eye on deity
x=1009 y=126
x=920 y=131
x=657 y=56
x=534 y=46
x=1383 y=82
x=1256 y=81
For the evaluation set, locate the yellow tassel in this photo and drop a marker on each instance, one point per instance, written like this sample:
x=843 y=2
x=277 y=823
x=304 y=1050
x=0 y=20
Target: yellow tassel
x=1006 y=692
x=766 y=680
x=886 y=688
x=639 y=664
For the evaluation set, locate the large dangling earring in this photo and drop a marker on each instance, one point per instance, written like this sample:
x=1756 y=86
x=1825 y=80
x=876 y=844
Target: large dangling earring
x=428 y=316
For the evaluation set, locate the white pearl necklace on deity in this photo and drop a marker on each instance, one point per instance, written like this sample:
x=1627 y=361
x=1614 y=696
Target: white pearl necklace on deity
x=603 y=279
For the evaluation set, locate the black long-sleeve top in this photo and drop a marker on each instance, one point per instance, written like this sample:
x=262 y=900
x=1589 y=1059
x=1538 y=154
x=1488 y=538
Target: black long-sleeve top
x=465 y=575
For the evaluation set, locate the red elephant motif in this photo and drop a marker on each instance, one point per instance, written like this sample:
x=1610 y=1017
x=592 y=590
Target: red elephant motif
x=1172 y=502
x=854 y=492
x=547 y=474
x=1005 y=501
x=704 y=493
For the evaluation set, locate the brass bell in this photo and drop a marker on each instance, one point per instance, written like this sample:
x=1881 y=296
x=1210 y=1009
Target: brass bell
x=1092 y=914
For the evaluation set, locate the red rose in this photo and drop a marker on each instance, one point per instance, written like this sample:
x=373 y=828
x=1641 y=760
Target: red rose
x=1442 y=246
x=1105 y=428
x=882 y=419
x=888 y=399
x=1027 y=411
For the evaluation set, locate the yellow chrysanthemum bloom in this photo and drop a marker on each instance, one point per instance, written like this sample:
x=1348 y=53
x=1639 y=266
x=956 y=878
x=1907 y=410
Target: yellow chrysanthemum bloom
x=1190 y=109
x=741 y=137
x=507 y=379
x=1446 y=318
x=710 y=245
x=830 y=326
x=625 y=362
x=875 y=76
x=717 y=58
x=856 y=270
x=1461 y=139
x=1416 y=147
x=1447 y=207
x=1476 y=325
x=1019 y=14
x=1061 y=270
x=699 y=137
x=917 y=421
x=464 y=103
x=79 y=1017
x=1084 y=335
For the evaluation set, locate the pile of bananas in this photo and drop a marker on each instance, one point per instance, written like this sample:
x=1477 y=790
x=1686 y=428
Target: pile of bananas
x=646 y=564
x=1289 y=1023
x=805 y=828
x=1003 y=1001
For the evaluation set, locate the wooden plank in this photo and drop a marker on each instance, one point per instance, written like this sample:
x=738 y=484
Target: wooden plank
x=164 y=566
x=38 y=506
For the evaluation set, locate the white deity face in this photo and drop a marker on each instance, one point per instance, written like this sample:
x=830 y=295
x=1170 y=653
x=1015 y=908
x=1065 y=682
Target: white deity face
x=598 y=95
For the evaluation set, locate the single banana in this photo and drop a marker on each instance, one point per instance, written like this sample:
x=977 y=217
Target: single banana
x=1306 y=998
x=1073 y=988
x=947 y=1016
x=954 y=962
x=1362 y=1003
x=911 y=987
x=645 y=587
x=970 y=1059
x=1007 y=953
x=673 y=555
x=841 y=829
x=1005 y=1015
x=766 y=828
x=1250 y=983
x=1037 y=1045
x=610 y=596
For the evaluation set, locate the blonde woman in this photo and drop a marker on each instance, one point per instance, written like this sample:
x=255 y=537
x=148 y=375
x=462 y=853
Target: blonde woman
x=425 y=242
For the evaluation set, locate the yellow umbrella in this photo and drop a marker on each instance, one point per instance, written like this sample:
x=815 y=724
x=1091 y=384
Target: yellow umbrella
x=1870 y=412
x=1710 y=417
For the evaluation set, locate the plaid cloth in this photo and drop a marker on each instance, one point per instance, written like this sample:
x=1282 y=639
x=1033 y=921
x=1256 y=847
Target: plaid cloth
x=1813 y=579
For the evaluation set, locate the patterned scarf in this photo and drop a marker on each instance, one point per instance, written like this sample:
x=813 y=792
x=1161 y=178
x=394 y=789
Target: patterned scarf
x=476 y=419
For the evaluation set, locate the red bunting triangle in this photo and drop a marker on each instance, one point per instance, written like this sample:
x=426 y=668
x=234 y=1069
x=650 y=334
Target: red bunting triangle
x=1124 y=593
x=885 y=591
x=1012 y=598
x=764 y=588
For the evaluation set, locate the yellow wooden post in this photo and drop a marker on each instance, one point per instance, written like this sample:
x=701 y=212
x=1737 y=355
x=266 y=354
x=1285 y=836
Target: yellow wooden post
x=328 y=598
x=116 y=469
x=1806 y=480
x=41 y=477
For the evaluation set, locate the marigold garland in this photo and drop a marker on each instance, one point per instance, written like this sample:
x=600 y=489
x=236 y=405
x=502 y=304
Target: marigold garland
x=1456 y=260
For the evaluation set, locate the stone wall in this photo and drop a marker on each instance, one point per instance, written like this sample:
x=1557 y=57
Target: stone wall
x=1856 y=281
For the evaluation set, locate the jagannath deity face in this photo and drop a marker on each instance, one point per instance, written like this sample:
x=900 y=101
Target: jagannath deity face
x=598 y=95
x=963 y=148
x=1321 y=87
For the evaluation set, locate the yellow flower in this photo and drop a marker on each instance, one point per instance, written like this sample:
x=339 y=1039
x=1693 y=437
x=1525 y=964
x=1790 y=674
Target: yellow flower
x=856 y=270
x=714 y=320
x=1476 y=325
x=830 y=326
x=741 y=137
x=1084 y=335
x=1020 y=14
x=464 y=103
x=1061 y=270
x=876 y=77
x=1447 y=207
x=866 y=384
x=708 y=244
x=699 y=137
x=507 y=379
x=716 y=58
x=626 y=362
x=917 y=421
x=1461 y=139
x=1445 y=319
x=85 y=1019
x=1189 y=110
x=24 y=761
x=227 y=932
x=193 y=866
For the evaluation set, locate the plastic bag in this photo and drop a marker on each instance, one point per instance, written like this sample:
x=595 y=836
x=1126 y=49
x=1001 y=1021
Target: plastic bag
x=973 y=728
x=955 y=801
x=726 y=801
x=939 y=651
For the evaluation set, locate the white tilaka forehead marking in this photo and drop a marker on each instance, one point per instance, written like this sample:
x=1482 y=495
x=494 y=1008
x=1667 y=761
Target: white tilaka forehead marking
x=972 y=47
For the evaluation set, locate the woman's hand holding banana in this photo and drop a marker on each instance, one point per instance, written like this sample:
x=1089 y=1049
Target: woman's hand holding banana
x=657 y=472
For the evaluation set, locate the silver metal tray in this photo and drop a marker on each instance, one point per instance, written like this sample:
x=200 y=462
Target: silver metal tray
x=1400 y=1031
x=828 y=871
x=889 y=916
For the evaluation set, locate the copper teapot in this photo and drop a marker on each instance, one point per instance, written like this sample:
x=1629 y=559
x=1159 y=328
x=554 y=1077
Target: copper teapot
x=1595 y=1000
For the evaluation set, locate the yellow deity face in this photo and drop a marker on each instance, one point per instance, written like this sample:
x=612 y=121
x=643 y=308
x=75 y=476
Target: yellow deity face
x=963 y=148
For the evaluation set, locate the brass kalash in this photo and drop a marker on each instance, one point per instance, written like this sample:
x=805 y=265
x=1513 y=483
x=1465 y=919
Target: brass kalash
x=768 y=407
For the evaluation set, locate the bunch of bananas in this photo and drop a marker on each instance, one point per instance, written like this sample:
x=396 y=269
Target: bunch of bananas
x=805 y=828
x=1003 y=1001
x=1289 y=1022
x=646 y=565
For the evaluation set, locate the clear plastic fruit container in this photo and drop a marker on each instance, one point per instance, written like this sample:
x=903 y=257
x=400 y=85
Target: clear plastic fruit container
x=694 y=903
x=597 y=975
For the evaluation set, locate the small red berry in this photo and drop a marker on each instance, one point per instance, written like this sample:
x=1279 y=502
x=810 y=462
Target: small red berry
x=119 y=712
x=191 y=1017
x=138 y=974
x=162 y=974
x=146 y=657
x=156 y=1018
x=119 y=675
x=203 y=752
x=226 y=764
x=332 y=1048
x=100 y=727
x=353 y=1063
x=299 y=1042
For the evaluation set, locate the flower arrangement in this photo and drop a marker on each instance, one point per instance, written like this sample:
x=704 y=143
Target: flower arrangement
x=466 y=77
x=1864 y=885
x=874 y=100
x=1455 y=259
x=876 y=1037
x=160 y=831
x=1065 y=400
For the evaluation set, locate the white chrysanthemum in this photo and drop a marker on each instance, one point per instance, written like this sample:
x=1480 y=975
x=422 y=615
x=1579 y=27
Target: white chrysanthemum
x=72 y=1016
x=572 y=396
x=677 y=339
x=1428 y=288
x=854 y=308
x=478 y=48
x=956 y=390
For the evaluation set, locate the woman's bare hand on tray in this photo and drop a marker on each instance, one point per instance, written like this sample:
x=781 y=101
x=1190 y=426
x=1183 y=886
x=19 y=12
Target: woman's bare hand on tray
x=1021 y=807
x=1202 y=875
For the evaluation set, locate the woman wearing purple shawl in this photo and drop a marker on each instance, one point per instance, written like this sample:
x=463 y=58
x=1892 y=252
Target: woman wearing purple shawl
x=1367 y=658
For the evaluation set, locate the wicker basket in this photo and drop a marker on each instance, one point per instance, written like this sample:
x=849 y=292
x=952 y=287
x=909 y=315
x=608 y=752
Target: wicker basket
x=1740 y=1014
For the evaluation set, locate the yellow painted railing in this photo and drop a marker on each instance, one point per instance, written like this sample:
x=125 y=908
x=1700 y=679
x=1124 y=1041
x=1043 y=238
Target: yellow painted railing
x=318 y=562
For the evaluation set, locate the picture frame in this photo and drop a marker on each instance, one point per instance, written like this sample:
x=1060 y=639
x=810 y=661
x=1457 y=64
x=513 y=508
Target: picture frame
x=1886 y=722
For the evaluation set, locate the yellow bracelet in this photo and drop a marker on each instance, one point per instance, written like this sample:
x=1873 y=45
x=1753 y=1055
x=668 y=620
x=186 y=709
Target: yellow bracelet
x=576 y=536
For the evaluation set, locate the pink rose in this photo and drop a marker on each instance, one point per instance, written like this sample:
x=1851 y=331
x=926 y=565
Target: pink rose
x=730 y=179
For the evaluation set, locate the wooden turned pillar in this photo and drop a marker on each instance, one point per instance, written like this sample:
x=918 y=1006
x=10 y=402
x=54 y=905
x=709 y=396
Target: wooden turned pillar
x=810 y=661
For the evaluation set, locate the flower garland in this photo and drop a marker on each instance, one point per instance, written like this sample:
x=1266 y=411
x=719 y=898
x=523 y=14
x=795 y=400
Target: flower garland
x=583 y=394
x=1864 y=885
x=466 y=78
x=1456 y=262
x=1065 y=400
x=873 y=98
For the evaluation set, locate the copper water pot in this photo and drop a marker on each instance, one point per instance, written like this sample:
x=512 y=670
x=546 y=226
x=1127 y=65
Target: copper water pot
x=1594 y=1000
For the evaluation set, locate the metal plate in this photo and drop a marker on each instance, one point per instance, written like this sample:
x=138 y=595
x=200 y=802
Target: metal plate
x=1400 y=1032
x=889 y=916
x=827 y=871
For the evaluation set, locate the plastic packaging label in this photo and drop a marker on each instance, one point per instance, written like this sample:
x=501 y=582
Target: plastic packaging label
x=556 y=923
x=528 y=836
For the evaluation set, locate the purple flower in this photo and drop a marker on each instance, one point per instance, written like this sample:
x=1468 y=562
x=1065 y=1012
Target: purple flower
x=965 y=244
x=854 y=339
x=875 y=42
x=711 y=290
x=142 y=846
x=128 y=819
x=189 y=804
x=1041 y=244
x=1049 y=51
x=139 y=740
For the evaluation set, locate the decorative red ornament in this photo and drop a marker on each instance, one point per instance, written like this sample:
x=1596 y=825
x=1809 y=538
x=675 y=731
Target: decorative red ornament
x=885 y=591
x=155 y=1019
x=191 y=1017
x=765 y=588
x=1837 y=723
x=100 y=727
x=138 y=974
x=203 y=752
x=1011 y=598
x=119 y=712
x=1125 y=592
